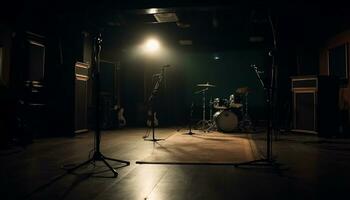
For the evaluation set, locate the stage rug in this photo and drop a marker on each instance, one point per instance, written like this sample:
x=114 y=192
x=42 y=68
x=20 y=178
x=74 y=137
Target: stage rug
x=202 y=148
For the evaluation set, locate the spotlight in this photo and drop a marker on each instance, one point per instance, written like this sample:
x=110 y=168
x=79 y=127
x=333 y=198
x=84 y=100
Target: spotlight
x=151 y=45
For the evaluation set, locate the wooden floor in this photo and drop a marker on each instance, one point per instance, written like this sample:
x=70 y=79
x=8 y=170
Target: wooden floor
x=311 y=168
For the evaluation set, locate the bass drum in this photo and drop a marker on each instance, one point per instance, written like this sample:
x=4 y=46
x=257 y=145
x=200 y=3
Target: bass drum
x=227 y=120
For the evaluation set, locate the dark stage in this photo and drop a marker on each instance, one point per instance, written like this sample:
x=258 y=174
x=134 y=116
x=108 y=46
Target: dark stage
x=174 y=100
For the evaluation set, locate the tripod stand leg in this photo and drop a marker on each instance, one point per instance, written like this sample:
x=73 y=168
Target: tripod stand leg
x=153 y=140
x=113 y=159
x=212 y=126
x=110 y=167
x=99 y=157
x=189 y=133
x=190 y=129
x=202 y=125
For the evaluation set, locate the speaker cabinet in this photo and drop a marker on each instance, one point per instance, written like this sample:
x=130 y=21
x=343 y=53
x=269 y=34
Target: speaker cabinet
x=315 y=105
x=81 y=97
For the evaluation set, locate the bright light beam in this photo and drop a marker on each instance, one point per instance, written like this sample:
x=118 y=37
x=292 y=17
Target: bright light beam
x=151 y=45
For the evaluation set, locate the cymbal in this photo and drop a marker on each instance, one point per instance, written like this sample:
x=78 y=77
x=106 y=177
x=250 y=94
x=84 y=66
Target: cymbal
x=243 y=90
x=205 y=85
x=202 y=90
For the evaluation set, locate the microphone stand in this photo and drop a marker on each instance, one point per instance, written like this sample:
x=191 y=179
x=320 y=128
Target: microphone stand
x=270 y=90
x=190 y=120
x=258 y=75
x=151 y=102
x=97 y=155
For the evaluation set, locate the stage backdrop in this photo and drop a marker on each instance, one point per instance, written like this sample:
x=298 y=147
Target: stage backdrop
x=227 y=70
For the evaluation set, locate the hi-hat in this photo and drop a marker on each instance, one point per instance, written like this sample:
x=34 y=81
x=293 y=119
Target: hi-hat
x=205 y=85
x=202 y=90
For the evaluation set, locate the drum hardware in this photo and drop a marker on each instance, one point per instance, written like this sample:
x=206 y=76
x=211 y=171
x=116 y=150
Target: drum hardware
x=233 y=102
x=200 y=91
x=231 y=99
x=212 y=126
x=211 y=122
x=204 y=123
x=220 y=104
x=210 y=109
x=231 y=114
x=205 y=85
x=246 y=123
x=227 y=116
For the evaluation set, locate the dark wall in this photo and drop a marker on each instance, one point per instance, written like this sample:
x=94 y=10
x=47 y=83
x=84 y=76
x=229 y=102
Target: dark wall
x=5 y=44
x=344 y=91
x=188 y=67
x=231 y=71
x=66 y=42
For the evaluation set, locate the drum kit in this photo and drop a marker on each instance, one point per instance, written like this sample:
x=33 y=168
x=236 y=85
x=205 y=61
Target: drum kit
x=230 y=114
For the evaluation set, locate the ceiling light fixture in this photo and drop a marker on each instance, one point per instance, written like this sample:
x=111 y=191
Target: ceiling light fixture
x=151 y=45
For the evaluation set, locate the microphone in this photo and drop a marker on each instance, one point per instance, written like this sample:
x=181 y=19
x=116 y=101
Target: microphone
x=256 y=69
x=254 y=66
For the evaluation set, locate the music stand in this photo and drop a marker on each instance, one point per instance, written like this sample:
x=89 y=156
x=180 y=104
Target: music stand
x=97 y=155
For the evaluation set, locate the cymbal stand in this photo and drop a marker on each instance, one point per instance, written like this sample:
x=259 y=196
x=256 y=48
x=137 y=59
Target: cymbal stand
x=203 y=122
x=211 y=109
x=246 y=122
x=211 y=122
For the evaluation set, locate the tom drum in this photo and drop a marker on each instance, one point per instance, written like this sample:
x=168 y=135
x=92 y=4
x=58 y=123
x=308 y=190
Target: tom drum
x=220 y=104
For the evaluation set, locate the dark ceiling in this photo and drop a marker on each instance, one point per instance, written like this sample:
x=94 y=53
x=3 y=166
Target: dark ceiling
x=214 y=27
x=215 y=24
x=223 y=26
